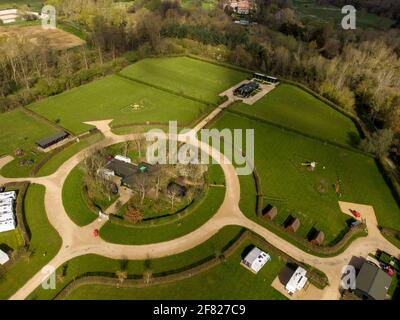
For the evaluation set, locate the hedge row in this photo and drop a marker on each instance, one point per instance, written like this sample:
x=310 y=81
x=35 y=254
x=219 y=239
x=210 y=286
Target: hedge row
x=21 y=188
x=208 y=103
x=336 y=144
x=390 y=178
x=317 y=277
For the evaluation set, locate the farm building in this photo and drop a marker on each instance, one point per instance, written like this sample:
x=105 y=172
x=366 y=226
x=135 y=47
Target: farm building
x=120 y=168
x=50 y=141
x=123 y=159
x=372 y=282
x=256 y=259
x=177 y=189
x=8 y=195
x=266 y=78
x=242 y=6
x=297 y=281
x=293 y=225
x=246 y=90
x=318 y=238
x=3 y=257
x=270 y=213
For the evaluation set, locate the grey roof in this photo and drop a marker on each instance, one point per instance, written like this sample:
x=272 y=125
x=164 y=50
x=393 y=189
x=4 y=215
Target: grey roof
x=121 y=169
x=253 y=255
x=52 y=139
x=373 y=281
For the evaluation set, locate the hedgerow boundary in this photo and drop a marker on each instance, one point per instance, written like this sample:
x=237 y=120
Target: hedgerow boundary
x=316 y=277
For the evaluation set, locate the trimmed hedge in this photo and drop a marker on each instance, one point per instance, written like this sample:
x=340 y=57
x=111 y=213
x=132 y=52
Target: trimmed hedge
x=207 y=103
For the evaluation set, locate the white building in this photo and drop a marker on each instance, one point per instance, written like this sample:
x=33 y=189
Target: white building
x=3 y=257
x=123 y=159
x=256 y=259
x=11 y=15
x=7 y=211
x=297 y=281
x=6 y=202
x=8 y=195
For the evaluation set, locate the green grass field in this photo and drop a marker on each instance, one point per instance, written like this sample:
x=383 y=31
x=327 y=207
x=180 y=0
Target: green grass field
x=20 y=130
x=295 y=190
x=44 y=244
x=320 y=14
x=111 y=98
x=194 y=78
x=228 y=280
x=74 y=201
x=93 y=263
x=294 y=108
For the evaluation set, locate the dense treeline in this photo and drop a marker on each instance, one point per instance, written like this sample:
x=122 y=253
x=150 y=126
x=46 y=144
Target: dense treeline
x=359 y=70
x=387 y=8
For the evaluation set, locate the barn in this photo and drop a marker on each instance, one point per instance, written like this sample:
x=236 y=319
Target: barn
x=52 y=140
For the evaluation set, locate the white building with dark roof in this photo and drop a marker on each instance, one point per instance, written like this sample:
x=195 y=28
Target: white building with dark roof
x=256 y=259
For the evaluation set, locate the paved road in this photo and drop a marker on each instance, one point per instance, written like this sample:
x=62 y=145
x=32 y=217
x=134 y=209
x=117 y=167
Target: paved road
x=79 y=241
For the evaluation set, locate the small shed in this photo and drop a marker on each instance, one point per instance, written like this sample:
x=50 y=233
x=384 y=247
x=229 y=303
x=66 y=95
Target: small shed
x=256 y=259
x=52 y=140
x=3 y=257
x=318 y=238
x=269 y=213
x=293 y=225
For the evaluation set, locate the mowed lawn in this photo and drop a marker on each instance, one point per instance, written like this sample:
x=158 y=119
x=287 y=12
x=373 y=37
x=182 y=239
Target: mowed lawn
x=44 y=244
x=294 y=108
x=229 y=280
x=73 y=199
x=311 y=196
x=114 y=97
x=194 y=78
x=21 y=130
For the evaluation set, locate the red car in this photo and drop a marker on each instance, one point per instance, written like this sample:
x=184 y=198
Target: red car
x=356 y=213
x=96 y=233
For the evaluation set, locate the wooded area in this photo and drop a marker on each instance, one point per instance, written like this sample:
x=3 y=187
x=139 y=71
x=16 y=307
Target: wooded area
x=357 y=69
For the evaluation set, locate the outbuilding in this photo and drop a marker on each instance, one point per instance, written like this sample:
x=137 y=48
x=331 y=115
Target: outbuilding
x=270 y=213
x=293 y=225
x=266 y=78
x=318 y=238
x=52 y=140
x=256 y=259
x=372 y=282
